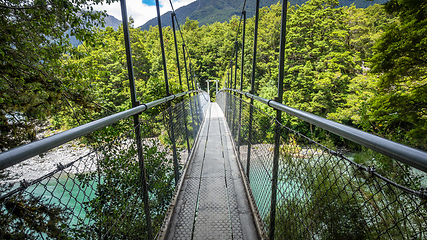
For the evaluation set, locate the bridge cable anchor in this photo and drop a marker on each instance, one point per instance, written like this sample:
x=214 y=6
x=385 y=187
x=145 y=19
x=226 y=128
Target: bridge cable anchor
x=60 y=167
x=24 y=184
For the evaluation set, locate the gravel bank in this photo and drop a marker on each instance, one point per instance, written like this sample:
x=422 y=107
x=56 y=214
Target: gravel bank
x=41 y=165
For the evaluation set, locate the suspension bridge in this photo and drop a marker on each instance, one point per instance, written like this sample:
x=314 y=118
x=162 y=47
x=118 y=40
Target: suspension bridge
x=213 y=170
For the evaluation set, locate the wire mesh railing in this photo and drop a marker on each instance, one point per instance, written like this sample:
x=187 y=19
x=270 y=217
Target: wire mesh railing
x=322 y=193
x=96 y=193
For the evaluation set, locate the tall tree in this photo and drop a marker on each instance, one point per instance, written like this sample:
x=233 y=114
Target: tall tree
x=320 y=60
x=33 y=38
x=401 y=61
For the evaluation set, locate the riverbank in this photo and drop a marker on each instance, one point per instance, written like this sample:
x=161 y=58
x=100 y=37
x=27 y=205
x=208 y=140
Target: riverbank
x=41 y=165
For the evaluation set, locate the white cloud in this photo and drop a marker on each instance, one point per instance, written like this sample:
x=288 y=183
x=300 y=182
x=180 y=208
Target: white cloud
x=139 y=11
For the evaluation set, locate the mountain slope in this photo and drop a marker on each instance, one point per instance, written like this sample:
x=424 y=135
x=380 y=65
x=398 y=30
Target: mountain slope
x=113 y=22
x=110 y=21
x=210 y=11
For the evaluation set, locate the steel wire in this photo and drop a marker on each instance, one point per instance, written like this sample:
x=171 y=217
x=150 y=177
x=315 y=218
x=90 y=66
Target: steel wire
x=97 y=195
x=323 y=193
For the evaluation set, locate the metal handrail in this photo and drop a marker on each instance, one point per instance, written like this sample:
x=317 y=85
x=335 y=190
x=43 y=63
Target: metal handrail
x=413 y=157
x=21 y=153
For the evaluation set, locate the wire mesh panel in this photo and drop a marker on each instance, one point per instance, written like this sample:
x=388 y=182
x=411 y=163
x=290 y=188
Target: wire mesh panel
x=325 y=194
x=97 y=194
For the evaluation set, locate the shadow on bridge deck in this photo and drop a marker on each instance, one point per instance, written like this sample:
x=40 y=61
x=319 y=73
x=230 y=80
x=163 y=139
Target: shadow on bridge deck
x=212 y=203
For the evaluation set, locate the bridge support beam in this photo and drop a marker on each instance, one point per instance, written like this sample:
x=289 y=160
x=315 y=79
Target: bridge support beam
x=176 y=49
x=173 y=15
x=251 y=110
x=188 y=89
x=277 y=132
x=165 y=71
x=135 y=103
x=241 y=82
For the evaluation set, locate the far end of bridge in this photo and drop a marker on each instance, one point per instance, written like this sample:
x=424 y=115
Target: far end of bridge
x=211 y=202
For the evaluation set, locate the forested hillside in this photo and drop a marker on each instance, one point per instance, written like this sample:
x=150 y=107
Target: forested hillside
x=364 y=67
x=210 y=11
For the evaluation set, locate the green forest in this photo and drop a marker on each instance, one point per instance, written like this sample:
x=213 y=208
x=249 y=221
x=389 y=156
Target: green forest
x=364 y=67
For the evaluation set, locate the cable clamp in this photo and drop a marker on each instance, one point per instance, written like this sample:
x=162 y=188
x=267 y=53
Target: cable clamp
x=60 y=166
x=422 y=193
x=24 y=183
x=371 y=169
x=146 y=107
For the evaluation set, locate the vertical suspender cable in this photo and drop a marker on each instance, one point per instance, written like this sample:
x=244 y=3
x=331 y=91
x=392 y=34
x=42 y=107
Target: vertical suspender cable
x=252 y=85
x=173 y=15
x=165 y=71
x=143 y=175
x=241 y=81
x=231 y=73
x=228 y=79
x=185 y=64
x=188 y=89
x=191 y=75
x=162 y=45
x=243 y=50
x=236 y=47
x=176 y=48
x=278 y=120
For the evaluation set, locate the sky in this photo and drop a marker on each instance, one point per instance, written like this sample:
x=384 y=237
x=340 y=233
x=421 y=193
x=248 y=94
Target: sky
x=141 y=10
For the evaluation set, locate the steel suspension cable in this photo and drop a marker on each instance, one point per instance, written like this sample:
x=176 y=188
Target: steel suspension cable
x=236 y=47
x=184 y=49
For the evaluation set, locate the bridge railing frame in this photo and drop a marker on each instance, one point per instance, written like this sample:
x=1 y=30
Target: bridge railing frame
x=308 y=166
x=411 y=156
x=77 y=173
x=21 y=153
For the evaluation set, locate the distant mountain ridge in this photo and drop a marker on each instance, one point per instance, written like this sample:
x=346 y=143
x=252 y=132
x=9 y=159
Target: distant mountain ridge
x=210 y=11
x=113 y=22
x=110 y=21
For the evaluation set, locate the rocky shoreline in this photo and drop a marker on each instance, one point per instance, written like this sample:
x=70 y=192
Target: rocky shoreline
x=41 y=165
x=85 y=161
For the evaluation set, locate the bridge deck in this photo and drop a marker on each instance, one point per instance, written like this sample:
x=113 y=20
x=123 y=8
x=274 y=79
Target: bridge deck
x=212 y=203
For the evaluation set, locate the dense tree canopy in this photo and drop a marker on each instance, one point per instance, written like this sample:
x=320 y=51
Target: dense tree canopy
x=329 y=53
x=34 y=36
x=401 y=61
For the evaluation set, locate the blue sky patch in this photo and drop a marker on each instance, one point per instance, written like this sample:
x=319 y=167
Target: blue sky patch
x=149 y=2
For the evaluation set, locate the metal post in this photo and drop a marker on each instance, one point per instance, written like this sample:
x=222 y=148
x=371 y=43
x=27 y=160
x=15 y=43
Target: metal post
x=227 y=97
x=135 y=103
x=236 y=47
x=180 y=81
x=231 y=73
x=195 y=99
x=165 y=71
x=188 y=89
x=191 y=75
x=162 y=46
x=228 y=79
x=278 y=121
x=241 y=82
x=233 y=127
x=251 y=110
x=176 y=49
x=243 y=50
x=185 y=64
x=197 y=103
x=207 y=82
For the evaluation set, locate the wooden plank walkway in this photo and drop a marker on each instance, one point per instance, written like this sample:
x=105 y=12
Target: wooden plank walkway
x=212 y=202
